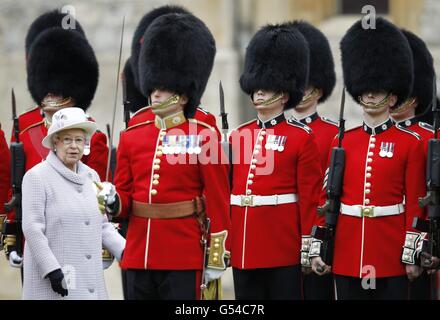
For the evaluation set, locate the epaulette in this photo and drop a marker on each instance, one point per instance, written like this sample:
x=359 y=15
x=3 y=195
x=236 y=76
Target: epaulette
x=29 y=110
x=203 y=110
x=426 y=126
x=295 y=123
x=138 y=125
x=414 y=134
x=327 y=120
x=141 y=110
x=245 y=124
x=32 y=126
x=192 y=120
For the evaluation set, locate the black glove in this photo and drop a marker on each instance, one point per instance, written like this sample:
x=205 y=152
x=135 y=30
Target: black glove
x=57 y=282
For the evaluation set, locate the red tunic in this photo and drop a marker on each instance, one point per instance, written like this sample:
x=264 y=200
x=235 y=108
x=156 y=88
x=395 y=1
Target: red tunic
x=424 y=130
x=145 y=114
x=29 y=117
x=270 y=236
x=372 y=179
x=325 y=131
x=5 y=182
x=172 y=244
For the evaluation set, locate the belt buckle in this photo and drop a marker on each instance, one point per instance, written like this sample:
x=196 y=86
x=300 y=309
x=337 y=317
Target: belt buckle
x=247 y=201
x=367 y=211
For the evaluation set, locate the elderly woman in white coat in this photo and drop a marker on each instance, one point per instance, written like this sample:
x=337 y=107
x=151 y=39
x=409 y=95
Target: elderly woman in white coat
x=63 y=222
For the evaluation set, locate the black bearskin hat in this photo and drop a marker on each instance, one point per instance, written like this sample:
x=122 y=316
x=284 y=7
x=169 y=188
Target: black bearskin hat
x=277 y=59
x=50 y=19
x=322 y=68
x=138 y=37
x=377 y=60
x=423 y=72
x=134 y=97
x=62 y=62
x=178 y=55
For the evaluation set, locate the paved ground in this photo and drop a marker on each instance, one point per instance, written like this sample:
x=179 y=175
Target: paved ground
x=10 y=285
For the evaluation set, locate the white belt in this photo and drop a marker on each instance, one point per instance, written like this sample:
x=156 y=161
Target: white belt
x=372 y=211
x=254 y=201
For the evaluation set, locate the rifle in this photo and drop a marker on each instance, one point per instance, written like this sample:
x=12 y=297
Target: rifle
x=17 y=173
x=432 y=198
x=227 y=147
x=331 y=208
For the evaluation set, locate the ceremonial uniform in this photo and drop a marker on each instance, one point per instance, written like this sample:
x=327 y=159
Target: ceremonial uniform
x=4 y=177
x=424 y=73
x=420 y=288
x=317 y=287
x=325 y=130
x=276 y=173
x=424 y=130
x=133 y=95
x=167 y=181
x=145 y=174
x=145 y=114
x=265 y=236
x=383 y=176
x=322 y=79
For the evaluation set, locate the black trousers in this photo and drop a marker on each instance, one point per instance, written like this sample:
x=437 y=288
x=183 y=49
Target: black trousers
x=283 y=283
x=317 y=287
x=161 y=284
x=420 y=288
x=390 y=288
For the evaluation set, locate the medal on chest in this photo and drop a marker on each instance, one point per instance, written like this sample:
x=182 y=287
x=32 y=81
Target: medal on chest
x=386 y=149
x=182 y=144
x=275 y=143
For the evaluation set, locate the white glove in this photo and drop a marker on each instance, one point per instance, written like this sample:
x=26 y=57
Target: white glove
x=213 y=274
x=15 y=260
x=108 y=193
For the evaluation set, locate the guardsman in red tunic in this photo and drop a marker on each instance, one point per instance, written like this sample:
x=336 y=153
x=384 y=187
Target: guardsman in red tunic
x=276 y=170
x=408 y=114
x=418 y=105
x=375 y=243
x=5 y=179
x=62 y=72
x=131 y=70
x=322 y=80
x=169 y=176
x=139 y=106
